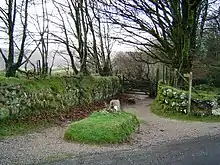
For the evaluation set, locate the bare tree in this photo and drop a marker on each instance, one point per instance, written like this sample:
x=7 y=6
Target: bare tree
x=9 y=16
x=80 y=20
x=40 y=33
x=102 y=42
x=134 y=65
x=43 y=32
x=168 y=26
x=74 y=25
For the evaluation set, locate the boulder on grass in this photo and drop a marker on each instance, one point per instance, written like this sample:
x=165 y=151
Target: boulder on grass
x=114 y=106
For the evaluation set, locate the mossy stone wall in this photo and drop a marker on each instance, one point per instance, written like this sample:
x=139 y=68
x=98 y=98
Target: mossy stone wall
x=22 y=97
x=175 y=100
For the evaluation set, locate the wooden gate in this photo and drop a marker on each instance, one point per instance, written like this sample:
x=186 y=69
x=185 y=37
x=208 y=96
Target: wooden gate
x=145 y=87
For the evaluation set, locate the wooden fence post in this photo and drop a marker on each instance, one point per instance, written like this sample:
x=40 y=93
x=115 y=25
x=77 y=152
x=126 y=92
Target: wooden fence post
x=166 y=75
x=189 y=75
x=190 y=92
x=157 y=79
x=163 y=74
x=175 y=78
x=170 y=77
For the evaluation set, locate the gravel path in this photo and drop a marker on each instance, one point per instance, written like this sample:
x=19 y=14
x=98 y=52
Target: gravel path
x=48 y=145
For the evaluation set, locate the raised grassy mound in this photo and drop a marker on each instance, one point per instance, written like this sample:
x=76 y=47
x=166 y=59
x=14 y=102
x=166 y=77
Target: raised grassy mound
x=103 y=128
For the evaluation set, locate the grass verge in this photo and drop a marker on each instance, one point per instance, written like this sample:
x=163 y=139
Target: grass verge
x=58 y=157
x=100 y=128
x=10 y=128
x=179 y=116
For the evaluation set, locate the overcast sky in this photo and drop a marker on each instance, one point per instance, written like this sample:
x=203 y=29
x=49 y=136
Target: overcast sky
x=51 y=9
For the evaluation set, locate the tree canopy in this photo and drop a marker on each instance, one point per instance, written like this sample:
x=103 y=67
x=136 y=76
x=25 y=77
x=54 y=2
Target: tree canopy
x=168 y=26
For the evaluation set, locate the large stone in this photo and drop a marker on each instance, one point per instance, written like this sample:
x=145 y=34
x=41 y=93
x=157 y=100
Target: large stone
x=203 y=107
x=216 y=112
x=4 y=112
x=114 y=106
x=203 y=104
x=2 y=98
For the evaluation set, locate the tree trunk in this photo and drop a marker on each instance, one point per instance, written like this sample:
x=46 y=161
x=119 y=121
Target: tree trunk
x=83 y=68
x=11 y=70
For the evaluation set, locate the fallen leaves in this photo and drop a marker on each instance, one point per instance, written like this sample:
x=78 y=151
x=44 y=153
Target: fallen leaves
x=75 y=113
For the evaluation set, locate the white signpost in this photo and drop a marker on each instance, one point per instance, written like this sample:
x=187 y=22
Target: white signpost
x=189 y=75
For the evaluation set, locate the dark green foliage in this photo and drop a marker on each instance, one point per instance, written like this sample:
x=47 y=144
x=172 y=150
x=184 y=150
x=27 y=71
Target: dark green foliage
x=103 y=128
x=203 y=81
x=203 y=87
x=21 y=97
x=209 y=49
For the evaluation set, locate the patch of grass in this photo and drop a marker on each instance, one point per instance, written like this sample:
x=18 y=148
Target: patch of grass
x=18 y=128
x=179 y=116
x=102 y=128
x=204 y=96
x=203 y=88
x=56 y=83
x=2 y=73
x=59 y=157
x=198 y=94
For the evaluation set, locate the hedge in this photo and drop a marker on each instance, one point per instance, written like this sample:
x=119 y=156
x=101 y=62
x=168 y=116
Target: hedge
x=24 y=97
x=176 y=100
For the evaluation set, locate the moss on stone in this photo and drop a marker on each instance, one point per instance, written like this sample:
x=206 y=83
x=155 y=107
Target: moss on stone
x=21 y=97
x=176 y=100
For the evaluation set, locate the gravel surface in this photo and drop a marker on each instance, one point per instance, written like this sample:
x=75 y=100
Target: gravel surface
x=203 y=150
x=48 y=145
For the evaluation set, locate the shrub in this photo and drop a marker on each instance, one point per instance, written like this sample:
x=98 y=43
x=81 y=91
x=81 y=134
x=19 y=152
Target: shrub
x=103 y=128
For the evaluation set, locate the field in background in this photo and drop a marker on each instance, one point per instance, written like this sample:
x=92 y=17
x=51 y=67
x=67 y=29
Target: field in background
x=56 y=71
